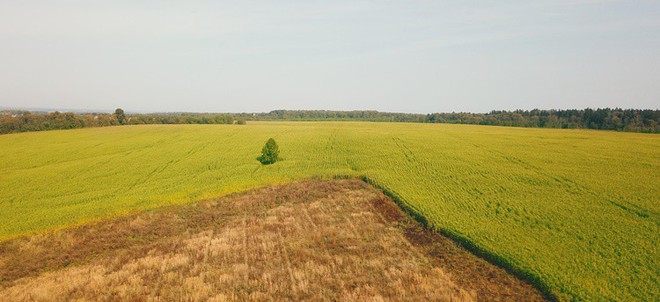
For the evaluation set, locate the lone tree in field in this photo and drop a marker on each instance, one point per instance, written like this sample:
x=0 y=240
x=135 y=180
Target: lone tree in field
x=120 y=115
x=269 y=153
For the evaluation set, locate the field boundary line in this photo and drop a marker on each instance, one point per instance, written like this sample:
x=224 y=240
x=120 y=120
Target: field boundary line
x=522 y=274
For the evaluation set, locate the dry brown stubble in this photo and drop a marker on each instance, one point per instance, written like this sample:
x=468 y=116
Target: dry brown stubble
x=313 y=240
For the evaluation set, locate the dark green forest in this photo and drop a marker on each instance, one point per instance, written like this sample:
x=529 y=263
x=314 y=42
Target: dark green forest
x=23 y=121
x=631 y=120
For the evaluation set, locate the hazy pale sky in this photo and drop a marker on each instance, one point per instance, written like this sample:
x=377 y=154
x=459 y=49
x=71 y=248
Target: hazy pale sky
x=404 y=56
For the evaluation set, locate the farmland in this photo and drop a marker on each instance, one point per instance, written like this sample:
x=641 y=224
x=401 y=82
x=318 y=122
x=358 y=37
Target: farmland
x=315 y=240
x=577 y=211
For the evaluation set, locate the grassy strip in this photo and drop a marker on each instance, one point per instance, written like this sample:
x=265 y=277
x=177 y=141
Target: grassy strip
x=492 y=258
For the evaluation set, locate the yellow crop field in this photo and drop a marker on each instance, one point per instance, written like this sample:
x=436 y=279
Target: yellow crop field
x=576 y=212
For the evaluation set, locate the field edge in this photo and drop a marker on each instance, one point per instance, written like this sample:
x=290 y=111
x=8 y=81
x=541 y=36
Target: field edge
x=524 y=275
x=527 y=276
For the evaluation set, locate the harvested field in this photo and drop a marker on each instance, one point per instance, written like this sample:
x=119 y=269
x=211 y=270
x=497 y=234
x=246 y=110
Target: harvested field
x=312 y=240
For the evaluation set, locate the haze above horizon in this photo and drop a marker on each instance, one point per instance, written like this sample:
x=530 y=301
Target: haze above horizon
x=395 y=56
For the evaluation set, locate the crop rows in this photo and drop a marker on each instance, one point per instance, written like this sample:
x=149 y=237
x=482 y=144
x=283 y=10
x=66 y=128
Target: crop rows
x=577 y=210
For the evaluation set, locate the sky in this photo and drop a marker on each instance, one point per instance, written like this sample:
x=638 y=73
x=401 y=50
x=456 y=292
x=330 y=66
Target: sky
x=397 y=56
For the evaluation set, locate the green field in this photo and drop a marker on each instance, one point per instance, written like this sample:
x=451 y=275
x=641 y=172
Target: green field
x=577 y=209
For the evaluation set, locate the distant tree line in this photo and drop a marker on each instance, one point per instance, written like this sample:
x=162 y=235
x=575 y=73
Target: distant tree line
x=632 y=120
x=320 y=115
x=12 y=121
x=183 y=118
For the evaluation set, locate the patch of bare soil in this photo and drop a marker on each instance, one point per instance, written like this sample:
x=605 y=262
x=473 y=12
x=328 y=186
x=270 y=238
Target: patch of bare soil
x=312 y=240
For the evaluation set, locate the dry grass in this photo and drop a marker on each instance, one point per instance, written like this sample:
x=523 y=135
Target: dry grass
x=314 y=240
